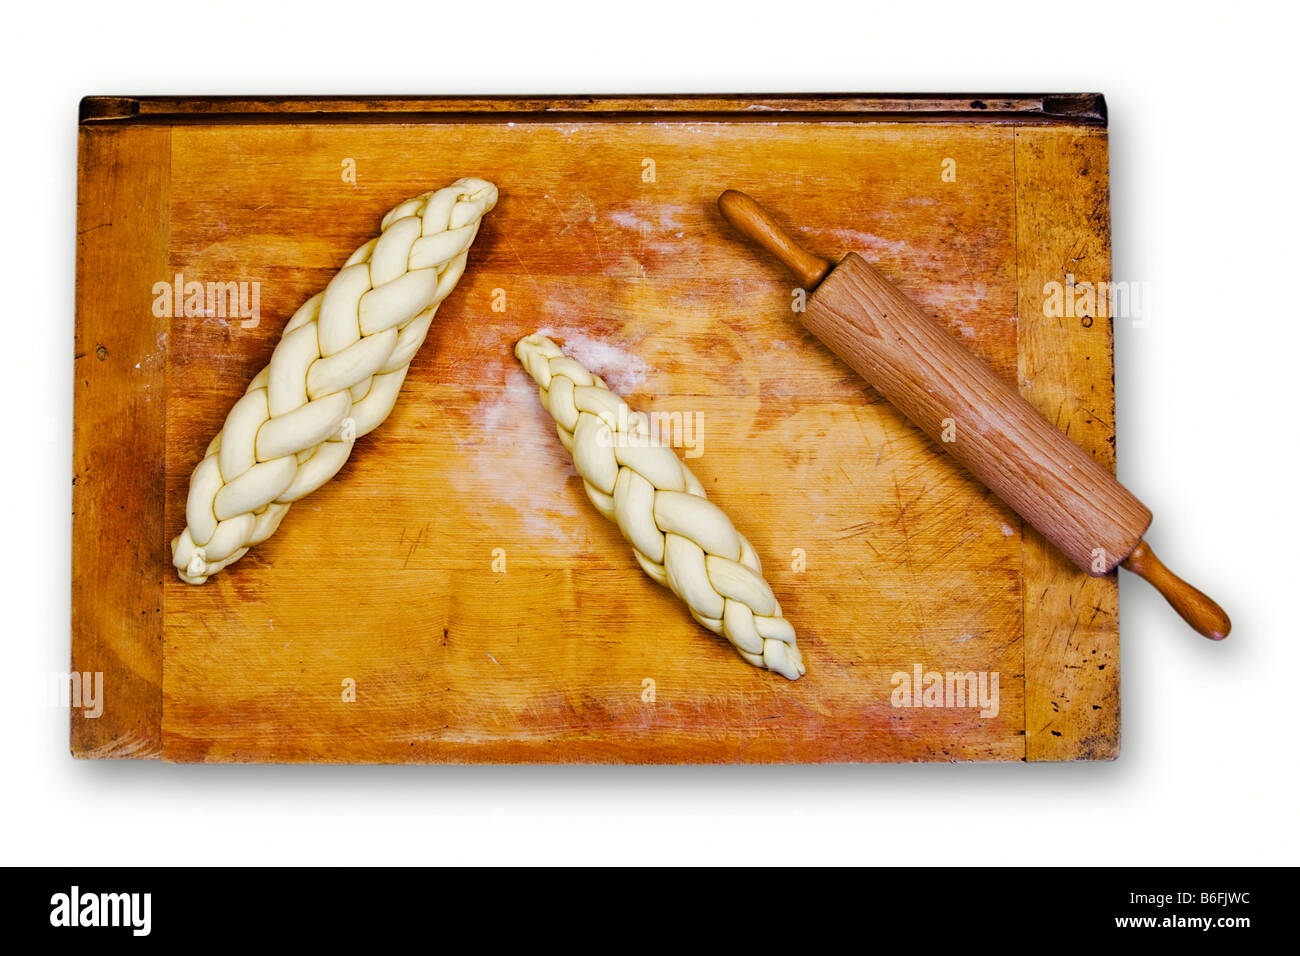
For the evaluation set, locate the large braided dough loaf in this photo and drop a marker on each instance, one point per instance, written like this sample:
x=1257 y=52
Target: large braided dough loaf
x=680 y=538
x=333 y=377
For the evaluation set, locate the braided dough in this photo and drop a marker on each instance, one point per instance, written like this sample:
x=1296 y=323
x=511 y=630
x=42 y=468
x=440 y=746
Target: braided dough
x=681 y=539
x=333 y=377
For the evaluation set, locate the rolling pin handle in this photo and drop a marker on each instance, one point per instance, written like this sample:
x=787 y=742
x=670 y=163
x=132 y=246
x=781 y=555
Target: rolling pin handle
x=754 y=222
x=1197 y=609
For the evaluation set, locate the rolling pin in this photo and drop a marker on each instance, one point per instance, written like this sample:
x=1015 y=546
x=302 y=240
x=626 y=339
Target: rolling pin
x=924 y=372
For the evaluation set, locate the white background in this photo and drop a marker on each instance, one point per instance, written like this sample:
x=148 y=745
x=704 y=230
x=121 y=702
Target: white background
x=1203 y=148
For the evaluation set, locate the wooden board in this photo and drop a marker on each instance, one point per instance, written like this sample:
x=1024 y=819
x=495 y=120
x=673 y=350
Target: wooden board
x=884 y=554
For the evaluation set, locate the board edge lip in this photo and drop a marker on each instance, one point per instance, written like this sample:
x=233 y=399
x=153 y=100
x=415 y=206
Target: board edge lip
x=1083 y=109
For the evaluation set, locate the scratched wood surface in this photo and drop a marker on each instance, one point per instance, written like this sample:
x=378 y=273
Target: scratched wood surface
x=454 y=572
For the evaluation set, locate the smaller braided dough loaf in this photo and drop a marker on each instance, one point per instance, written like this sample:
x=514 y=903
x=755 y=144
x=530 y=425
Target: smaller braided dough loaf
x=333 y=377
x=680 y=538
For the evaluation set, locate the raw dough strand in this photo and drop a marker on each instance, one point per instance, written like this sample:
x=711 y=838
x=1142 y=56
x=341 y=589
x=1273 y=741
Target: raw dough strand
x=680 y=538
x=333 y=377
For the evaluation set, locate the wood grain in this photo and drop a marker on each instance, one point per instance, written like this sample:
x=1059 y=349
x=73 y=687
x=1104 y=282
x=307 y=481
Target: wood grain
x=119 y=406
x=385 y=577
x=1071 y=622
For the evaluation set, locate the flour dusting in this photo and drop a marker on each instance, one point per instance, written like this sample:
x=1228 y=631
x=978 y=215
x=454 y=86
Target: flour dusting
x=874 y=247
x=669 y=218
x=507 y=405
x=622 y=371
x=517 y=438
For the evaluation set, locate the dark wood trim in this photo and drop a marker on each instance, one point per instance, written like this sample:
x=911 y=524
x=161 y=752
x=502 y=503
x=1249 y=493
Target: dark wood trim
x=1038 y=108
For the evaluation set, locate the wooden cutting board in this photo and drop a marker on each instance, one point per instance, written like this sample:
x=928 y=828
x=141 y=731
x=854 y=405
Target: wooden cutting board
x=451 y=595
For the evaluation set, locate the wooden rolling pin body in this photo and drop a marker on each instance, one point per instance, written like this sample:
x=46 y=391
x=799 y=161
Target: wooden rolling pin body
x=975 y=416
